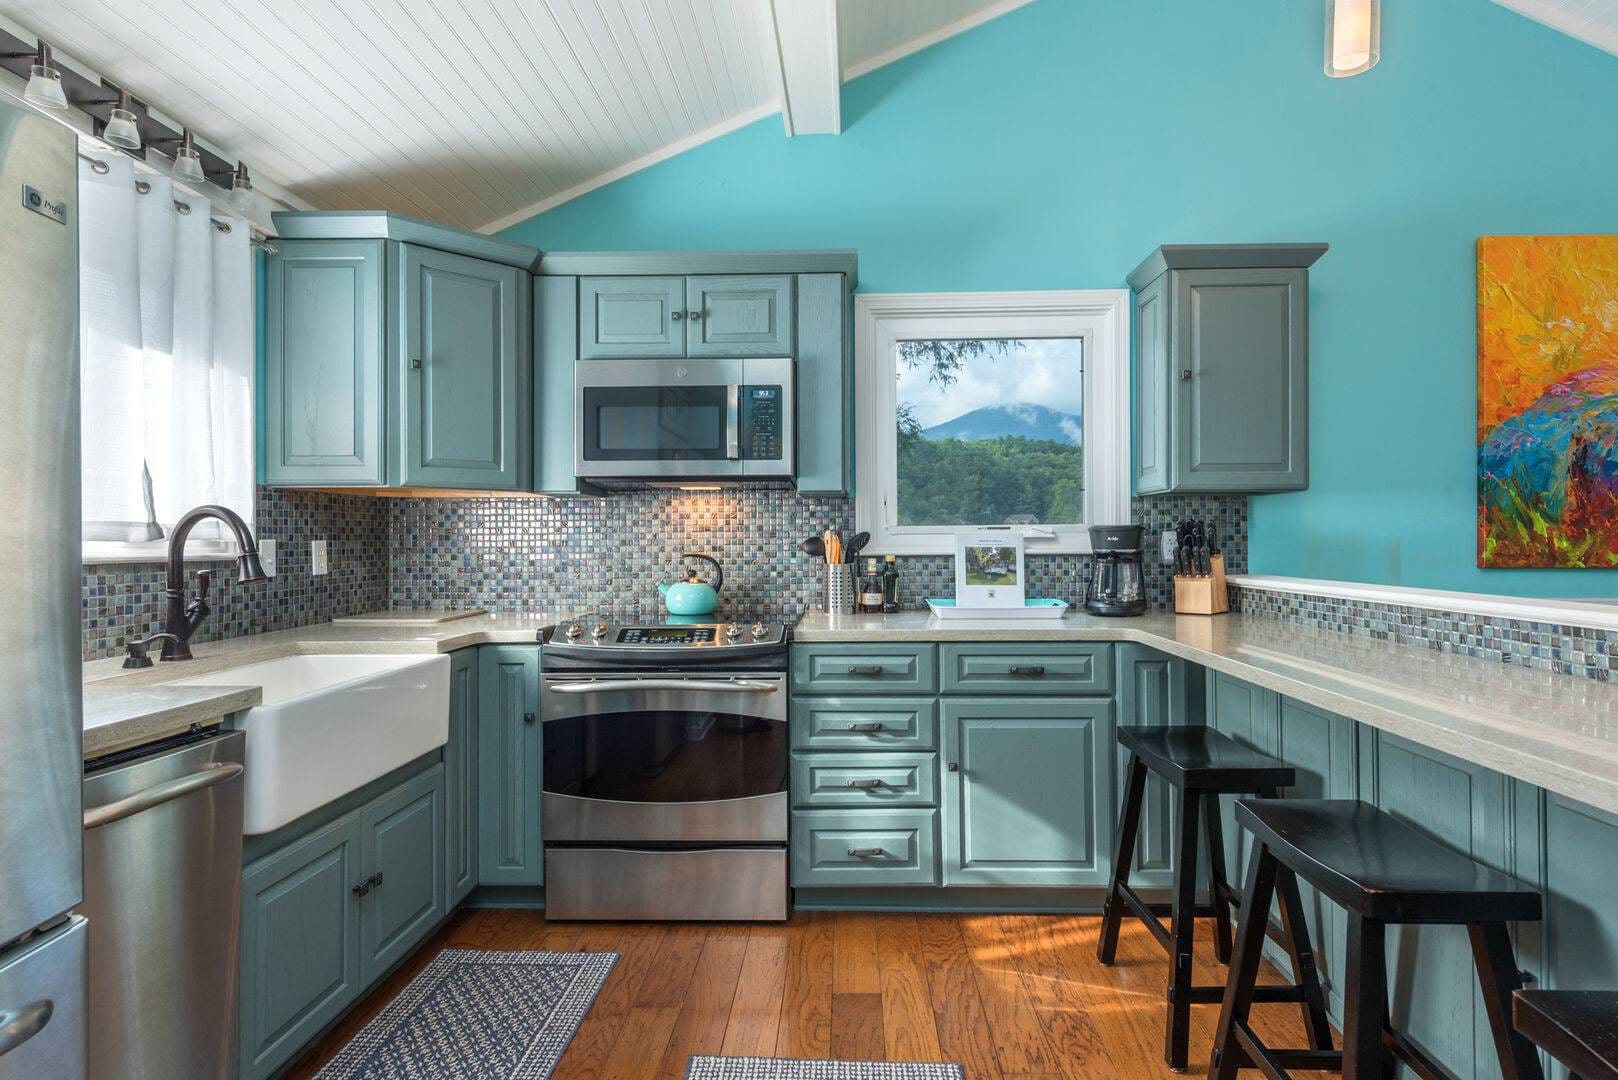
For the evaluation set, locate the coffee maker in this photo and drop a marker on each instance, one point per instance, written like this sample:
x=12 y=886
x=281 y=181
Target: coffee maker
x=1115 y=585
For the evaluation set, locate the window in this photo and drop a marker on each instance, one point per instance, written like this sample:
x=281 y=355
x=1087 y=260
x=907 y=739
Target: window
x=983 y=409
x=166 y=342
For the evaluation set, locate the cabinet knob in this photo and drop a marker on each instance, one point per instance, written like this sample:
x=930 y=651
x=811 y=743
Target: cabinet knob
x=362 y=888
x=695 y=315
x=415 y=363
x=528 y=718
x=677 y=316
x=954 y=767
x=1185 y=374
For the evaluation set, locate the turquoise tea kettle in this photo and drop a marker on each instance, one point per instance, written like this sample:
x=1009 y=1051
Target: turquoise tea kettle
x=693 y=596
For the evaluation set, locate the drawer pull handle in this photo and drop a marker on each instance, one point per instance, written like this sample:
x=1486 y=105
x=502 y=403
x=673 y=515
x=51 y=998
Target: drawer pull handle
x=1031 y=671
x=866 y=853
x=867 y=784
x=875 y=725
x=866 y=669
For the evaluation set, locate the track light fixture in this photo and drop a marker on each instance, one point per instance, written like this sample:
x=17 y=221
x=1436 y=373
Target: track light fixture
x=44 y=88
x=239 y=180
x=122 y=128
x=188 y=160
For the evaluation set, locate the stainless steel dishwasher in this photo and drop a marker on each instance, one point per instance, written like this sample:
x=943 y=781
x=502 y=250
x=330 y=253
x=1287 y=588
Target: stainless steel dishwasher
x=162 y=892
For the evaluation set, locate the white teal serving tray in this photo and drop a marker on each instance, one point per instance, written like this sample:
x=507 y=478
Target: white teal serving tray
x=1036 y=608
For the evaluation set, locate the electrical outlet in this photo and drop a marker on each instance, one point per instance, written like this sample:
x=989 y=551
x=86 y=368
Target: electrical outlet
x=317 y=558
x=1170 y=545
x=266 y=556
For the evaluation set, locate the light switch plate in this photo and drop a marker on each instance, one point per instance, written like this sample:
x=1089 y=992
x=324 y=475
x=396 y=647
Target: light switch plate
x=317 y=558
x=266 y=556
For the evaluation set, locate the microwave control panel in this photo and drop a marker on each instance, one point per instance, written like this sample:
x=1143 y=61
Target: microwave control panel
x=760 y=423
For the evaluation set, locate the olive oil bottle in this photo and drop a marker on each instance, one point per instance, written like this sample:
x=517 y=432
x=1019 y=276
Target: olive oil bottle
x=890 y=584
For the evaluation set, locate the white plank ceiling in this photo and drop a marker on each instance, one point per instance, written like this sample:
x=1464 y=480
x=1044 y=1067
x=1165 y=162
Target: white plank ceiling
x=478 y=113
x=1594 y=21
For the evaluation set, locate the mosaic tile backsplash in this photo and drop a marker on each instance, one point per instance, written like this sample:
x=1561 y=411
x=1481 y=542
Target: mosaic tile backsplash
x=529 y=554
x=125 y=600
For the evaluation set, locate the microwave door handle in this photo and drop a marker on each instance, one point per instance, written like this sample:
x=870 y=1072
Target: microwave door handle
x=733 y=421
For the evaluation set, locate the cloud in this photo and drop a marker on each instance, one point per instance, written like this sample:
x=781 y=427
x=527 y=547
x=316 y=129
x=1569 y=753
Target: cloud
x=1042 y=371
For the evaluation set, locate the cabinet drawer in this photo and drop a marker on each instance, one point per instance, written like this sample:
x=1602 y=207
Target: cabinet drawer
x=858 y=723
x=864 y=847
x=864 y=779
x=1028 y=668
x=871 y=669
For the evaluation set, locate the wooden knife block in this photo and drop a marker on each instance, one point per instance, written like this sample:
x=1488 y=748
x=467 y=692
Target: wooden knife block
x=1203 y=595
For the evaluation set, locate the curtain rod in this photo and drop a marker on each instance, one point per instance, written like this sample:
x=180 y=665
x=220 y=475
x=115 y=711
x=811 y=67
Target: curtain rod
x=100 y=167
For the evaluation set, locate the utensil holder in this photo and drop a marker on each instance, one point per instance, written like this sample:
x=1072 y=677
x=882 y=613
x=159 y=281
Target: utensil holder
x=839 y=589
x=1203 y=595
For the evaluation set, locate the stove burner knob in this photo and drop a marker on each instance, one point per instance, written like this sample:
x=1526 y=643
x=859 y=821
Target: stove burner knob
x=733 y=631
x=759 y=630
x=574 y=631
x=598 y=631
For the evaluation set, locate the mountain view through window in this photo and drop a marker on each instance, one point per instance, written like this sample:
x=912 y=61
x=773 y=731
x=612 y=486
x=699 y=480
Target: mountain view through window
x=991 y=431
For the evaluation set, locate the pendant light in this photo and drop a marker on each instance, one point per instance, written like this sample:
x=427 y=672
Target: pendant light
x=44 y=87
x=188 y=160
x=1353 y=36
x=122 y=129
x=241 y=187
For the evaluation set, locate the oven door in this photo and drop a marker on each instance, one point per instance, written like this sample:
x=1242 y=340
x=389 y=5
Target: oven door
x=684 y=759
x=686 y=419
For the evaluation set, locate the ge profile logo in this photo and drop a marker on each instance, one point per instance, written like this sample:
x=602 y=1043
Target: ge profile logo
x=35 y=200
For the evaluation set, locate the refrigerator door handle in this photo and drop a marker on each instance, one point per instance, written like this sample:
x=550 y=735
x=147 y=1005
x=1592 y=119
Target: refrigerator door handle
x=158 y=794
x=19 y=1025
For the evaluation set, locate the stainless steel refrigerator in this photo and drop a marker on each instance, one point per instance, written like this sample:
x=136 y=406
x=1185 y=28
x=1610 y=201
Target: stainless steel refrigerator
x=42 y=945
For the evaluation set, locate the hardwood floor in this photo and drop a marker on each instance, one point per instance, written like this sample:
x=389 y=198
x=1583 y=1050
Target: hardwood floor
x=1009 y=997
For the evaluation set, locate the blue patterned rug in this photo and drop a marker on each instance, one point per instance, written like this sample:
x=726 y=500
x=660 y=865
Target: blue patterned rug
x=758 y=1068
x=473 y=1014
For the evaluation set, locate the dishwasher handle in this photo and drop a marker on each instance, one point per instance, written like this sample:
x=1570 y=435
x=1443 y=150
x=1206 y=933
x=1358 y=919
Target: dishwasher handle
x=17 y=1026
x=158 y=794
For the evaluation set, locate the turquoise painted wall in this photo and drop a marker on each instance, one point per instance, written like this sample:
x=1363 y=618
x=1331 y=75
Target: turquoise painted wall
x=1056 y=146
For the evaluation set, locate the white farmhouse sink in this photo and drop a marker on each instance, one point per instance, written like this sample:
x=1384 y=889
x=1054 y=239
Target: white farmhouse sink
x=330 y=724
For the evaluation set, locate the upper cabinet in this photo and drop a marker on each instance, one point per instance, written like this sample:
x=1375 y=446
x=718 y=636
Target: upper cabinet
x=708 y=315
x=397 y=355
x=1221 y=368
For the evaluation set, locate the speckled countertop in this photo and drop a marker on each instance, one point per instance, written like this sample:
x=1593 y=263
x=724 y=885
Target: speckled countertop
x=128 y=708
x=1559 y=732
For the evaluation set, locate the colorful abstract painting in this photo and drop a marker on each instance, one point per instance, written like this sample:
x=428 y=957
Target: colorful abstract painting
x=1548 y=401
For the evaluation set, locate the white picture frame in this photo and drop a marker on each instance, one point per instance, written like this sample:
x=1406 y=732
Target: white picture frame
x=989 y=570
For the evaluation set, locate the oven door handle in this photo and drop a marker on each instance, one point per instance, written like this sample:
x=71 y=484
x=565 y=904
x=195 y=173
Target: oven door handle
x=607 y=686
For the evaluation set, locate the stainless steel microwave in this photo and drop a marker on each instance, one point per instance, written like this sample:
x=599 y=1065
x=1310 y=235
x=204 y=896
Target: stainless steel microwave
x=684 y=419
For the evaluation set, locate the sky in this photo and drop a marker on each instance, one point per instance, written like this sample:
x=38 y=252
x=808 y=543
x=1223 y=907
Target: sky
x=1042 y=371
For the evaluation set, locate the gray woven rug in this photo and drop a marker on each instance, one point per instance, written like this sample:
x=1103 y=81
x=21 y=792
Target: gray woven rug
x=473 y=1014
x=758 y=1068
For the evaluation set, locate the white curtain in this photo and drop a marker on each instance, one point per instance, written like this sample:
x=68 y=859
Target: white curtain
x=167 y=344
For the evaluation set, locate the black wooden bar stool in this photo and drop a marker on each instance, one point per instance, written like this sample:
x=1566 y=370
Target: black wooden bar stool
x=1382 y=872
x=1201 y=764
x=1579 y=1028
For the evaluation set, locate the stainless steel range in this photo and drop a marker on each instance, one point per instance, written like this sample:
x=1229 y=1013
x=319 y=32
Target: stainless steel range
x=665 y=770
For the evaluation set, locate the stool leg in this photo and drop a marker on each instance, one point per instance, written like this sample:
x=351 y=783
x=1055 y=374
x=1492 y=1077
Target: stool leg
x=1112 y=911
x=1365 y=999
x=1497 y=972
x=1243 y=975
x=1182 y=933
x=1217 y=881
x=1304 y=971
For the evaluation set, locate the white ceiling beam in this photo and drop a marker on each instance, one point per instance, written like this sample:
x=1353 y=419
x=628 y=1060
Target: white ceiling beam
x=808 y=67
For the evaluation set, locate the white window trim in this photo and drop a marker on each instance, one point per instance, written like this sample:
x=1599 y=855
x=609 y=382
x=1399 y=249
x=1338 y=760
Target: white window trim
x=1099 y=316
x=105 y=552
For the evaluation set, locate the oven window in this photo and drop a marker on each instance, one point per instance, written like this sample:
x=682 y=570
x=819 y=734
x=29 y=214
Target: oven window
x=652 y=423
x=665 y=757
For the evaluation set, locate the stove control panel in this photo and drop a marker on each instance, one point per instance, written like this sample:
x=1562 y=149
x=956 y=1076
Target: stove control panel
x=666 y=635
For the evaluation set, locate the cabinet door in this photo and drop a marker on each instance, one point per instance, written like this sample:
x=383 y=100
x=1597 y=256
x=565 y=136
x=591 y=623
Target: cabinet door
x=1153 y=378
x=1250 y=715
x=323 y=364
x=825 y=386
x=1023 y=797
x=1240 y=370
x=510 y=851
x=402 y=853
x=461 y=778
x=631 y=316
x=1151 y=693
x=746 y=315
x=300 y=944
x=463 y=333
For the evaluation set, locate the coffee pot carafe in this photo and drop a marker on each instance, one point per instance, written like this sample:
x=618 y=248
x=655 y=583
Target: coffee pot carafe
x=1115 y=585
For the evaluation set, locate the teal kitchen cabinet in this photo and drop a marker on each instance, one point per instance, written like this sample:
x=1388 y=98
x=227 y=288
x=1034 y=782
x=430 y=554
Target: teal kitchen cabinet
x=864 y=723
x=300 y=944
x=631 y=316
x=1221 y=368
x=739 y=315
x=865 y=668
x=1024 y=800
x=510 y=851
x=825 y=386
x=1026 y=667
x=864 y=847
x=323 y=383
x=461 y=779
x=402 y=847
x=1153 y=690
x=463 y=372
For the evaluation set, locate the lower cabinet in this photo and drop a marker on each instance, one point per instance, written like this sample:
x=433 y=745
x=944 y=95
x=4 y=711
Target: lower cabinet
x=461 y=778
x=1024 y=801
x=323 y=917
x=1153 y=690
x=510 y=851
